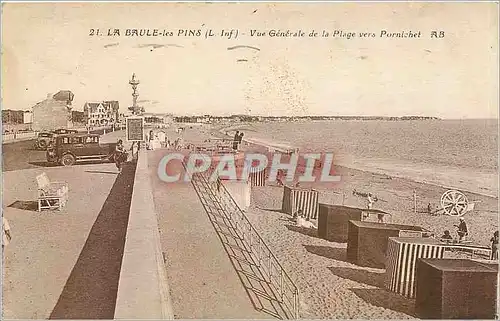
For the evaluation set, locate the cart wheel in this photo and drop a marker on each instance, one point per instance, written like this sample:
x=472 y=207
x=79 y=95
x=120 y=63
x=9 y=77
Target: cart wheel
x=454 y=203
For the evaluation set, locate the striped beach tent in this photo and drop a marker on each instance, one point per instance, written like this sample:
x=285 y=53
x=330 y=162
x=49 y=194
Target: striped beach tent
x=295 y=199
x=402 y=255
x=258 y=177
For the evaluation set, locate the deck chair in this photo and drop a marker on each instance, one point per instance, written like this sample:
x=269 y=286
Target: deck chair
x=51 y=195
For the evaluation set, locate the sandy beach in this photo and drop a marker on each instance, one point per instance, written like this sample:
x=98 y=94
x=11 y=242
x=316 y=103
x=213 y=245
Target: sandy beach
x=331 y=287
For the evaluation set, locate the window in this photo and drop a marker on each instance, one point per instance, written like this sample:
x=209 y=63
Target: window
x=76 y=140
x=91 y=139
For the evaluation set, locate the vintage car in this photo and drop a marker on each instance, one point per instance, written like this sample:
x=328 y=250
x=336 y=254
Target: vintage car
x=67 y=149
x=43 y=139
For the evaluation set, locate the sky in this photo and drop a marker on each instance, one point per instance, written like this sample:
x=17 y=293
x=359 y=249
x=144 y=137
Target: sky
x=47 y=47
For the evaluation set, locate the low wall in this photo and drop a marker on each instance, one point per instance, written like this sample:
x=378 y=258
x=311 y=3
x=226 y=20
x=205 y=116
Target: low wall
x=143 y=290
x=19 y=136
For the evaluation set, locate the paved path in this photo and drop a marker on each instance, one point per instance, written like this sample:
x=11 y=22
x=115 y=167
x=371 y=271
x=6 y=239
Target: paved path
x=202 y=279
x=67 y=259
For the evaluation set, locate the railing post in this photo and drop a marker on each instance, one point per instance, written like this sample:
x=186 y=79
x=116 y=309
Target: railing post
x=269 y=267
x=250 y=238
x=295 y=304
x=282 y=291
x=259 y=254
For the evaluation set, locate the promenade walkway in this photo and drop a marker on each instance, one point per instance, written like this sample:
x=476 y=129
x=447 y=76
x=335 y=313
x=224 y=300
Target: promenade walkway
x=65 y=264
x=203 y=281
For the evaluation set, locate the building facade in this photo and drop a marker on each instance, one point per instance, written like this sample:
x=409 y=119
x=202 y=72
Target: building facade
x=12 y=116
x=53 y=112
x=104 y=113
x=77 y=117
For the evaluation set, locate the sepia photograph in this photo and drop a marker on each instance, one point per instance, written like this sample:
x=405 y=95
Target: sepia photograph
x=250 y=160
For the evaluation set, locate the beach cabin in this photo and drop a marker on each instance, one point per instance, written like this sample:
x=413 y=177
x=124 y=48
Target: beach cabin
x=401 y=260
x=333 y=220
x=367 y=241
x=303 y=199
x=456 y=289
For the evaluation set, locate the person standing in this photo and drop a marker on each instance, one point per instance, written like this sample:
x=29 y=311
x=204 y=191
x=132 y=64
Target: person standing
x=119 y=154
x=236 y=139
x=240 y=139
x=494 y=246
x=370 y=200
x=462 y=229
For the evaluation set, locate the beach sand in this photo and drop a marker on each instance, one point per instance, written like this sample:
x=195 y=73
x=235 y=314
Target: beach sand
x=333 y=288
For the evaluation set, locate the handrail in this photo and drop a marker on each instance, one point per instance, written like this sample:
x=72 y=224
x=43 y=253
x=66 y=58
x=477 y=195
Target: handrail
x=272 y=259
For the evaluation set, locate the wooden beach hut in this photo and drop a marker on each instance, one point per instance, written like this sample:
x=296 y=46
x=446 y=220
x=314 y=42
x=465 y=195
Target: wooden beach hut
x=333 y=220
x=258 y=178
x=367 y=241
x=456 y=289
x=402 y=255
x=304 y=199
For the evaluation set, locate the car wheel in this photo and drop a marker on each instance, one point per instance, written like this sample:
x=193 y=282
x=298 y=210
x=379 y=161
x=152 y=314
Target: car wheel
x=42 y=144
x=68 y=160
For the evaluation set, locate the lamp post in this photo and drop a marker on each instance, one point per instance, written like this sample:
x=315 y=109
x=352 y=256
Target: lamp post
x=136 y=110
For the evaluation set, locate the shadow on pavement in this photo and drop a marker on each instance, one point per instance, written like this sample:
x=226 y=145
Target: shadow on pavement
x=43 y=164
x=47 y=164
x=91 y=289
x=102 y=172
x=25 y=205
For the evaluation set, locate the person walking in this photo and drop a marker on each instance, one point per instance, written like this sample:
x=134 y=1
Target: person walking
x=119 y=155
x=494 y=246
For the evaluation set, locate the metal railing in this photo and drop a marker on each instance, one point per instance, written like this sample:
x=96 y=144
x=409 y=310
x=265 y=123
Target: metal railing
x=285 y=289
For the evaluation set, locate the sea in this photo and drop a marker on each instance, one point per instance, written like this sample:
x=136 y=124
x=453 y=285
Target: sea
x=461 y=154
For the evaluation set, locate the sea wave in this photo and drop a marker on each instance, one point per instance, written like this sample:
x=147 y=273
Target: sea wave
x=453 y=154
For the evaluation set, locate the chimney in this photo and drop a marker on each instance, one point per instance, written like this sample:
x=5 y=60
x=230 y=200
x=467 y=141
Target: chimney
x=49 y=95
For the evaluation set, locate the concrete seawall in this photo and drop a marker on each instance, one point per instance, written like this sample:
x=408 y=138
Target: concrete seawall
x=143 y=291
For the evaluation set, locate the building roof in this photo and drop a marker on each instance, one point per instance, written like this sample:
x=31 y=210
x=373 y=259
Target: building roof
x=92 y=106
x=110 y=104
x=53 y=102
x=114 y=104
x=64 y=95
